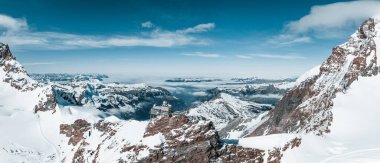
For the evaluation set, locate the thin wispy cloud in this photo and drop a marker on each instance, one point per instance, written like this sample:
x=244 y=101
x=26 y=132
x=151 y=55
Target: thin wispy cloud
x=147 y=24
x=198 y=29
x=280 y=56
x=203 y=55
x=244 y=56
x=288 y=40
x=16 y=32
x=271 y=56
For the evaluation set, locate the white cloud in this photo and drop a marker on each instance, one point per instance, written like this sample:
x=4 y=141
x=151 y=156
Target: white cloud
x=12 y=24
x=279 y=56
x=244 y=56
x=271 y=56
x=288 y=40
x=203 y=55
x=335 y=15
x=153 y=39
x=147 y=24
x=335 y=20
x=198 y=29
x=16 y=33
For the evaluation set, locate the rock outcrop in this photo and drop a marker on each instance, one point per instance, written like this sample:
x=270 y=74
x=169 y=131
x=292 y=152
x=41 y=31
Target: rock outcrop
x=194 y=141
x=75 y=131
x=186 y=141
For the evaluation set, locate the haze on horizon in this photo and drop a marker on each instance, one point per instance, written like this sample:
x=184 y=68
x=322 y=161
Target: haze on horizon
x=178 y=38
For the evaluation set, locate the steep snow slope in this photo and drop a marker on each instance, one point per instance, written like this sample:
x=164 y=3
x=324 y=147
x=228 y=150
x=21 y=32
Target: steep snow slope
x=21 y=139
x=308 y=75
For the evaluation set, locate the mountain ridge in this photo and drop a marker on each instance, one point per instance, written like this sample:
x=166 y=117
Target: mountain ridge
x=296 y=111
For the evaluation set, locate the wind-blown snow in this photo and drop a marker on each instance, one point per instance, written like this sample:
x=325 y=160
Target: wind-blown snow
x=309 y=74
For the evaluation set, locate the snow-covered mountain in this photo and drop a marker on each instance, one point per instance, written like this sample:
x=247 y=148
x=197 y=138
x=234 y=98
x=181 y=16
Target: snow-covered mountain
x=306 y=108
x=13 y=72
x=334 y=109
x=230 y=115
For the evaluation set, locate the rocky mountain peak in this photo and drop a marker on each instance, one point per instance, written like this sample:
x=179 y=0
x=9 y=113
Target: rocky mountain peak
x=5 y=53
x=13 y=72
x=306 y=107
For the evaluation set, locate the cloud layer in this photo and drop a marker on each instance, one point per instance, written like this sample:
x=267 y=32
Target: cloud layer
x=198 y=29
x=203 y=55
x=15 y=31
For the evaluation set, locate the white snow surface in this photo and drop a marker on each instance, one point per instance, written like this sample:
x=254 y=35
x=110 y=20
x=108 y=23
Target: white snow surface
x=308 y=75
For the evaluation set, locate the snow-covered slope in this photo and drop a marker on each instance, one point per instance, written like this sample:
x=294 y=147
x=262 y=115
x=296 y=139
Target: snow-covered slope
x=230 y=115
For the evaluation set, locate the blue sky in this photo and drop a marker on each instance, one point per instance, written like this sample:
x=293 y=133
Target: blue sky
x=176 y=37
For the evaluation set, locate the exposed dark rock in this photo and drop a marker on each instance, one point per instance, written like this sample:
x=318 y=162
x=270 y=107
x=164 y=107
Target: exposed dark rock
x=234 y=153
x=75 y=131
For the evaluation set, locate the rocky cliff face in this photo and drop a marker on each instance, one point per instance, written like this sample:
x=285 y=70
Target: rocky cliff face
x=14 y=73
x=306 y=107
